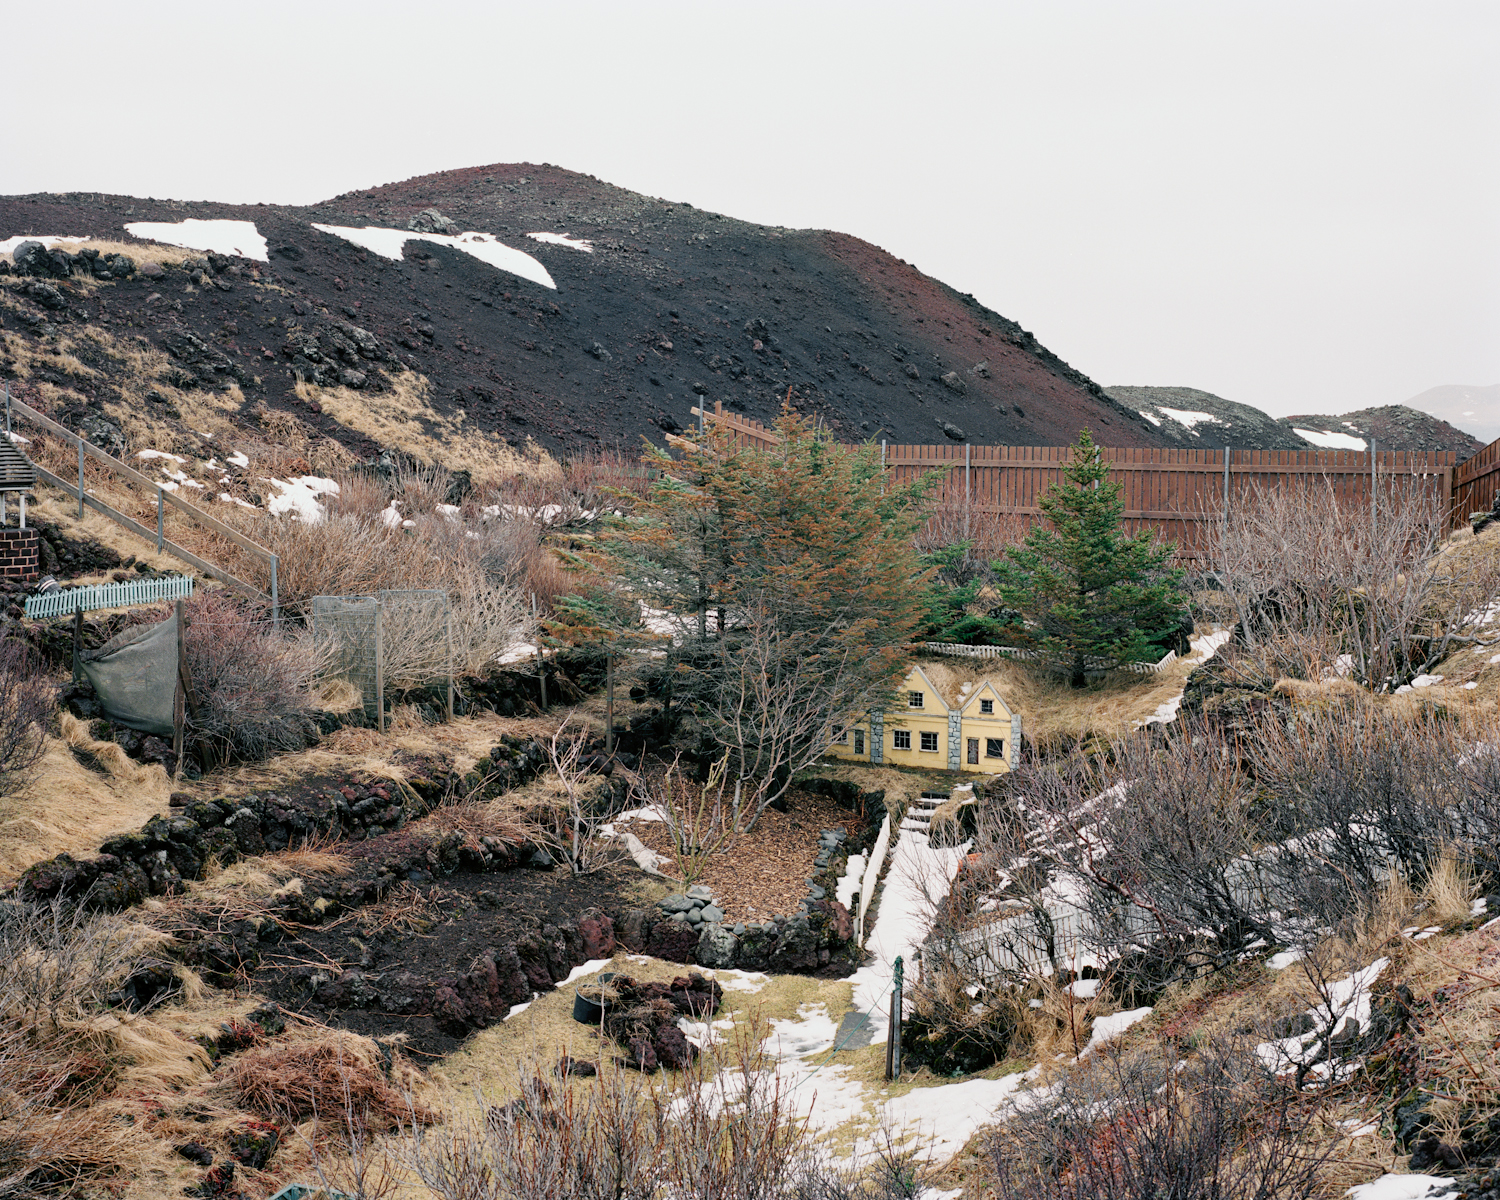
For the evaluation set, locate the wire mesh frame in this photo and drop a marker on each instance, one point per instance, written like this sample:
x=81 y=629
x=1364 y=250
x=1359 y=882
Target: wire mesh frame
x=354 y=636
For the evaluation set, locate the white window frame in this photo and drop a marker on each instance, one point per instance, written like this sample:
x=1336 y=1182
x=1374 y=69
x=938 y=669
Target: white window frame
x=901 y=739
x=988 y=742
x=987 y=707
x=931 y=735
x=915 y=700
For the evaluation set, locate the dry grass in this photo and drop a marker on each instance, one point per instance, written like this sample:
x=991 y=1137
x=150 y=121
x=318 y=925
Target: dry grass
x=1056 y=716
x=67 y=806
x=405 y=419
x=319 y=1073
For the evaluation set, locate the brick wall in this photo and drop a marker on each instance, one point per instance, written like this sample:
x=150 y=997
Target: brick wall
x=20 y=553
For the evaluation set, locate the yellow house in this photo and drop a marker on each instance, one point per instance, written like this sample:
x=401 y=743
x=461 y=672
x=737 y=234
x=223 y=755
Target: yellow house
x=963 y=726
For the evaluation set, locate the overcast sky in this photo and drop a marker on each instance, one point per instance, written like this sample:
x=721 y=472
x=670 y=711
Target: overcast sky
x=1292 y=205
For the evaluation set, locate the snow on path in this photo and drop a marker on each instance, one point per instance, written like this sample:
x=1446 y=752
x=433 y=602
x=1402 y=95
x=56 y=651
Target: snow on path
x=485 y=247
x=918 y=877
x=1205 y=648
x=239 y=238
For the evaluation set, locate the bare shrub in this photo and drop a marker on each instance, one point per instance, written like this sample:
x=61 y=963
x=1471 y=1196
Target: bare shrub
x=720 y=1129
x=586 y=809
x=1213 y=1127
x=252 y=683
x=699 y=822
x=1320 y=585
x=26 y=701
x=1352 y=795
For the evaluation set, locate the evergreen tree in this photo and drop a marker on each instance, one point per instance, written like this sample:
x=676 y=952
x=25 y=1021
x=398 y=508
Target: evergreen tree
x=1086 y=589
x=783 y=584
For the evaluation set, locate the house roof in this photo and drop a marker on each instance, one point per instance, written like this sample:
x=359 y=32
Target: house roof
x=955 y=685
x=16 y=470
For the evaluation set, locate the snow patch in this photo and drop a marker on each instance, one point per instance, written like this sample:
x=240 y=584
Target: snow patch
x=239 y=458
x=1403 y=1187
x=160 y=454
x=239 y=238
x=485 y=247
x=560 y=239
x=1106 y=1029
x=1151 y=416
x=8 y=246
x=591 y=967
x=1330 y=441
x=1188 y=417
x=300 y=497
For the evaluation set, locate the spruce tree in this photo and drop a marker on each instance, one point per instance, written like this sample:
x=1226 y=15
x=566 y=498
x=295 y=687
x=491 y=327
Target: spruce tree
x=1087 y=590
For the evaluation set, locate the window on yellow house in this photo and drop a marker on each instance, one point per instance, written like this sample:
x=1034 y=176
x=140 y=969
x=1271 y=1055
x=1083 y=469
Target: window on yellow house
x=913 y=699
x=843 y=737
x=901 y=739
x=986 y=706
x=929 y=741
x=994 y=747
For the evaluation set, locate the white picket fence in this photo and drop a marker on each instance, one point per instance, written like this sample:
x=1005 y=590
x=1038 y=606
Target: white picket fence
x=109 y=595
x=956 y=650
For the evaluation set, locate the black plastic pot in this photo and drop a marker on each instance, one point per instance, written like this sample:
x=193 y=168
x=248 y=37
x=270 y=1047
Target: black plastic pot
x=586 y=1011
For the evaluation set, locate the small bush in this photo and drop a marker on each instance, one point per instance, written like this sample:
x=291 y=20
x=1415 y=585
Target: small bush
x=1213 y=1127
x=252 y=683
x=26 y=701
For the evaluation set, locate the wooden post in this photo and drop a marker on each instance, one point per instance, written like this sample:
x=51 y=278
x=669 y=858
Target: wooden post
x=78 y=642
x=541 y=663
x=896 y=1021
x=160 y=518
x=1227 y=453
x=609 y=701
x=1374 y=495
x=185 y=684
x=966 y=490
x=80 y=479
x=448 y=638
x=178 y=693
x=379 y=670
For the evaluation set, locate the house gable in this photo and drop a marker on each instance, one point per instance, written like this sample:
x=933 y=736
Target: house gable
x=986 y=691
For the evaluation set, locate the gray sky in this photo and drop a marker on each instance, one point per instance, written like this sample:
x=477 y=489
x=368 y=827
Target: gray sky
x=1295 y=205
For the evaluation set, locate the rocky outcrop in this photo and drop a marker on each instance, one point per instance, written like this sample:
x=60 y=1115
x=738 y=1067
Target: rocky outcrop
x=169 y=850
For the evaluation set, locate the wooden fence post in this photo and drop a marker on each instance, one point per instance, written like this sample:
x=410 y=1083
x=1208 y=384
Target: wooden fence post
x=379 y=668
x=609 y=701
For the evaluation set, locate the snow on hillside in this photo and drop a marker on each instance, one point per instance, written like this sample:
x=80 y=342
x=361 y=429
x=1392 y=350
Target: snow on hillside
x=560 y=239
x=389 y=243
x=8 y=246
x=1187 y=417
x=1329 y=440
x=238 y=238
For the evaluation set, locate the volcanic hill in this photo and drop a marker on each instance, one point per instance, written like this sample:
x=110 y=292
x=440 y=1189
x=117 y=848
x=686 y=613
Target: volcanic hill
x=422 y=312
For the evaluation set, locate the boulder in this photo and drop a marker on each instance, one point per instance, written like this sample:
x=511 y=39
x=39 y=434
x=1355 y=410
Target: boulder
x=717 y=946
x=430 y=220
x=954 y=382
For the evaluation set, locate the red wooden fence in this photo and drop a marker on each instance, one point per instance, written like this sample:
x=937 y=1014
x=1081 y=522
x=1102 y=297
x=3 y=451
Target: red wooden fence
x=1173 y=491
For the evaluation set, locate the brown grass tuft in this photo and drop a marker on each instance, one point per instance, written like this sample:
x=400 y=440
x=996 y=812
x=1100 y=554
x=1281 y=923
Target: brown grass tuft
x=328 y=1075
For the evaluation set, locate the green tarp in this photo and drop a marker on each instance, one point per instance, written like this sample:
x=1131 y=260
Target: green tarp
x=135 y=675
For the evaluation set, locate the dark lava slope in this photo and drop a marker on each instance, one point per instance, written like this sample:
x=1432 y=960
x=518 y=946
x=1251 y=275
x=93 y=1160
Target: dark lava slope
x=673 y=304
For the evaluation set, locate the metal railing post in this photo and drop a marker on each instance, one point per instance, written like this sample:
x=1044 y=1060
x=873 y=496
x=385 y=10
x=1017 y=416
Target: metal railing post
x=160 y=518
x=80 y=479
x=275 y=595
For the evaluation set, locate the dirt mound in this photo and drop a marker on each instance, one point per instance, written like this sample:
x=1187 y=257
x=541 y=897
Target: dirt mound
x=657 y=307
x=1189 y=417
x=1393 y=427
